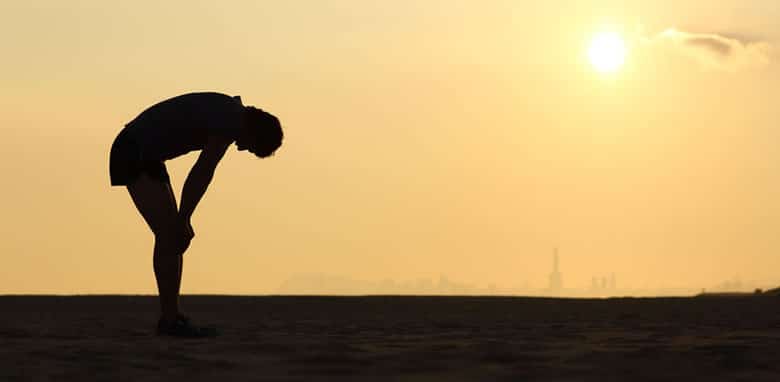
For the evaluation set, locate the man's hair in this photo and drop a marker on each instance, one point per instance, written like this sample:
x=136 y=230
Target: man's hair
x=266 y=130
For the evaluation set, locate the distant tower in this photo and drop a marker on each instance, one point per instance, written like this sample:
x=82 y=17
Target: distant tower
x=555 y=277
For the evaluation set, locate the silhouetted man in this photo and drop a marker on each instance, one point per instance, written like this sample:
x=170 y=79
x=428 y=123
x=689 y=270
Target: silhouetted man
x=209 y=122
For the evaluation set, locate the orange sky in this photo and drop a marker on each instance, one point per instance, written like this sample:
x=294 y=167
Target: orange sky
x=458 y=138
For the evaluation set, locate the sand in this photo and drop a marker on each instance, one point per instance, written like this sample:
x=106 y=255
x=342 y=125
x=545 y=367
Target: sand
x=96 y=338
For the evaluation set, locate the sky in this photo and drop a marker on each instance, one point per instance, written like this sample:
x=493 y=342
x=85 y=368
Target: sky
x=422 y=138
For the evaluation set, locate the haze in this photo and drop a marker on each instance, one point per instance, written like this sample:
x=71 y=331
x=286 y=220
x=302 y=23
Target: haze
x=423 y=138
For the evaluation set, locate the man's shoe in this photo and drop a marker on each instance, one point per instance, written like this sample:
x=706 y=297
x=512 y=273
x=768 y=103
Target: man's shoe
x=182 y=327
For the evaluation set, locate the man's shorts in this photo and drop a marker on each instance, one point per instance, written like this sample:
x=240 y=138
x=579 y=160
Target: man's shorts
x=126 y=163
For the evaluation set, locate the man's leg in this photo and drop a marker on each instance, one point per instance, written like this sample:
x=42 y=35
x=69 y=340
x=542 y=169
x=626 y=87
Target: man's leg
x=157 y=204
x=172 y=197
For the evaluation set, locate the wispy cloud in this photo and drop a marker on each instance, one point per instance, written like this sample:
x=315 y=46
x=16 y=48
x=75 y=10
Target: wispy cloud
x=715 y=51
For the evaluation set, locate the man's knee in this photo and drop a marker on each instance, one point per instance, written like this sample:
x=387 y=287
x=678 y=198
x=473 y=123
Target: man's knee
x=170 y=243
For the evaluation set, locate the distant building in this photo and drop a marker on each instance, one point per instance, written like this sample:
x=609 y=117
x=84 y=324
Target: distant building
x=556 y=280
x=602 y=285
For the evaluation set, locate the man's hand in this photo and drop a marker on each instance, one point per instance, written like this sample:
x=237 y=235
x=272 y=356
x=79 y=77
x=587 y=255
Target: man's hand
x=181 y=233
x=187 y=230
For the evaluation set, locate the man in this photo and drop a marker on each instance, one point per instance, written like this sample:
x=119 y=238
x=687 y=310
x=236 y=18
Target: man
x=208 y=122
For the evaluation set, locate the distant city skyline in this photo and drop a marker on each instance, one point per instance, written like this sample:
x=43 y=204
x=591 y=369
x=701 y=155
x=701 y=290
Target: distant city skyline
x=330 y=284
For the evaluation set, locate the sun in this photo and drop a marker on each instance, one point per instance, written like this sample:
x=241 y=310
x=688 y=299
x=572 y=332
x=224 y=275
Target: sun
x=607 y=52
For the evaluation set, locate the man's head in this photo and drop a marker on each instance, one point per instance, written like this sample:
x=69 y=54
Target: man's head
x=262 y=134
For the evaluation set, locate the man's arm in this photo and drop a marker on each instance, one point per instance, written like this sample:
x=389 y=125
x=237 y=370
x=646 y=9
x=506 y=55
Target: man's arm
x=200 y=176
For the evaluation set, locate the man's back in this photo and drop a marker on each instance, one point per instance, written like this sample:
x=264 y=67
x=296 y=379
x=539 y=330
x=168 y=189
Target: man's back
x=182 y=124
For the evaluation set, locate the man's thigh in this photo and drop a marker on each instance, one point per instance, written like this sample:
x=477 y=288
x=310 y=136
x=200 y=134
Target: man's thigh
x=156 y=202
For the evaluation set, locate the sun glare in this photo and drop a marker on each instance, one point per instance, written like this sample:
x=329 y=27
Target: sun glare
x=607 y=52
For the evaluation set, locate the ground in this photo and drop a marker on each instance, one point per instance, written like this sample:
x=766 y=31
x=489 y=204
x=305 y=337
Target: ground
x=717 y=338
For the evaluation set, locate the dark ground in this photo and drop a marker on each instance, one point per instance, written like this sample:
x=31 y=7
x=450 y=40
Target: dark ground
x=726 y=338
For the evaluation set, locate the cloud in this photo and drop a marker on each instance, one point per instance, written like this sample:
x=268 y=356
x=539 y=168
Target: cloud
x=715 y=51
x=714 y=44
